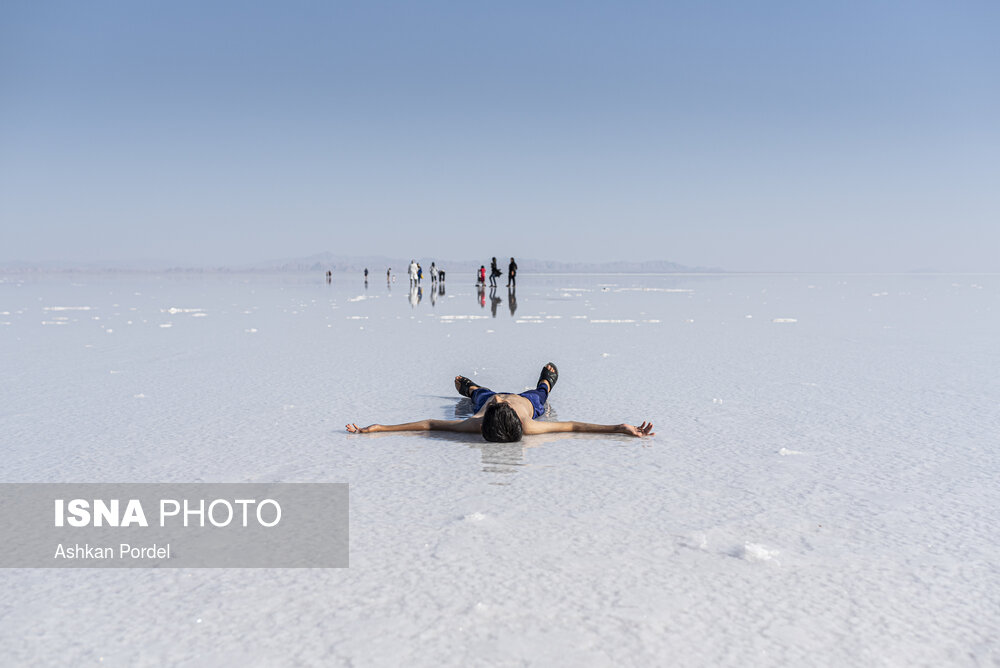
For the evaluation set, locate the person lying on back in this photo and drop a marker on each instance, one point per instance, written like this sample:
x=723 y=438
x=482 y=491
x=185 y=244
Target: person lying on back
x=504 y=418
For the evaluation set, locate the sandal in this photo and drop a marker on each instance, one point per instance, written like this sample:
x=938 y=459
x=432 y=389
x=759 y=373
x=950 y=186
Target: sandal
x=464 y=385
x=550 y=376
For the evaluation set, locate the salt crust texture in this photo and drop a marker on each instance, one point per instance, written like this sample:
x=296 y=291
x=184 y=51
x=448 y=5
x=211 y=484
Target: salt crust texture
x=821 y=489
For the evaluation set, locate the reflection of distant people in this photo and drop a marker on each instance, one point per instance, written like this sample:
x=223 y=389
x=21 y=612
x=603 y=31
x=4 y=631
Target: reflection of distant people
x=511 y=273
x=412 y=272
x=434 y=273
x=441 y=287
x=494 y=301
x=482 y=296
x=494 y=272
x=482 y=275
x=512 y=300
x=416 y=294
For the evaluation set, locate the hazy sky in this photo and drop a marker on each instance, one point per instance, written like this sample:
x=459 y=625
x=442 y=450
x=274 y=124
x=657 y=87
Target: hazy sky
x=857 y=136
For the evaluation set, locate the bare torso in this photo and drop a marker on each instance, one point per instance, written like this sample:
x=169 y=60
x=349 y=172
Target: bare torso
x=521 y=406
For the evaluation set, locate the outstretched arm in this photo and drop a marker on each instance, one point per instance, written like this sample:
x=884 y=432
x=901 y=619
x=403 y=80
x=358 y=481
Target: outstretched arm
x=536 y=427
x=467 y=425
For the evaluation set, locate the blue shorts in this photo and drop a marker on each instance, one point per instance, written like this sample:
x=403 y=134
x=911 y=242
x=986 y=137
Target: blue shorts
x=537 y=397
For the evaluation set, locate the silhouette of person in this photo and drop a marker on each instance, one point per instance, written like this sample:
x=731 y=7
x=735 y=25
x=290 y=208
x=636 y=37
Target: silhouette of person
x=494 y=272
x=511 y=273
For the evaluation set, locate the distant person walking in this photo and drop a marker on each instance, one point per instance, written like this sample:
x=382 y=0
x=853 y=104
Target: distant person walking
x=512 y=274
x=366 y=274
x=482 y=275
x=494 y=272
x=420 y=273
x=434 y=273
x=412 y=271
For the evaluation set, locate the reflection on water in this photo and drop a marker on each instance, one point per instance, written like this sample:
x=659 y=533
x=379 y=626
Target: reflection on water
x=494 y=301
x=501 y=458
x=416 y=294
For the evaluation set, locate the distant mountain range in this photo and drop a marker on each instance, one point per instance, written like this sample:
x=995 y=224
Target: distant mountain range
x=322 y=262
x=378 y=264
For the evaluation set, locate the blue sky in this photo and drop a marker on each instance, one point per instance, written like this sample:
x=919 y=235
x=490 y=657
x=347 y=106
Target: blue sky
x=788 y=136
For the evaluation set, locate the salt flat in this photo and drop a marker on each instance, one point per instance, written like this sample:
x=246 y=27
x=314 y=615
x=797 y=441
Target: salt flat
x=820 y=490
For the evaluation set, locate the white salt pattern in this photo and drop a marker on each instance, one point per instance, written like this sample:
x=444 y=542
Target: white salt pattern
x=699 y=543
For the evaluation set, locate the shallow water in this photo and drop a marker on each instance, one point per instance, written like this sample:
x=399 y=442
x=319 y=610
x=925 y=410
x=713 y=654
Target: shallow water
x=820 y=489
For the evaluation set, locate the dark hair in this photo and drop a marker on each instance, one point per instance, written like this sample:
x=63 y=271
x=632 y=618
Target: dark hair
x=501 y=424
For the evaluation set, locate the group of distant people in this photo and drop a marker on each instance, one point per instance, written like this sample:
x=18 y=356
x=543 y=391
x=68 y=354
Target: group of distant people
x=416 y=273
x=496 y=273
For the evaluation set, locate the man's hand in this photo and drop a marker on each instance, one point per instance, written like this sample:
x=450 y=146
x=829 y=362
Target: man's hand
x=645 y=429
x=355 y=429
